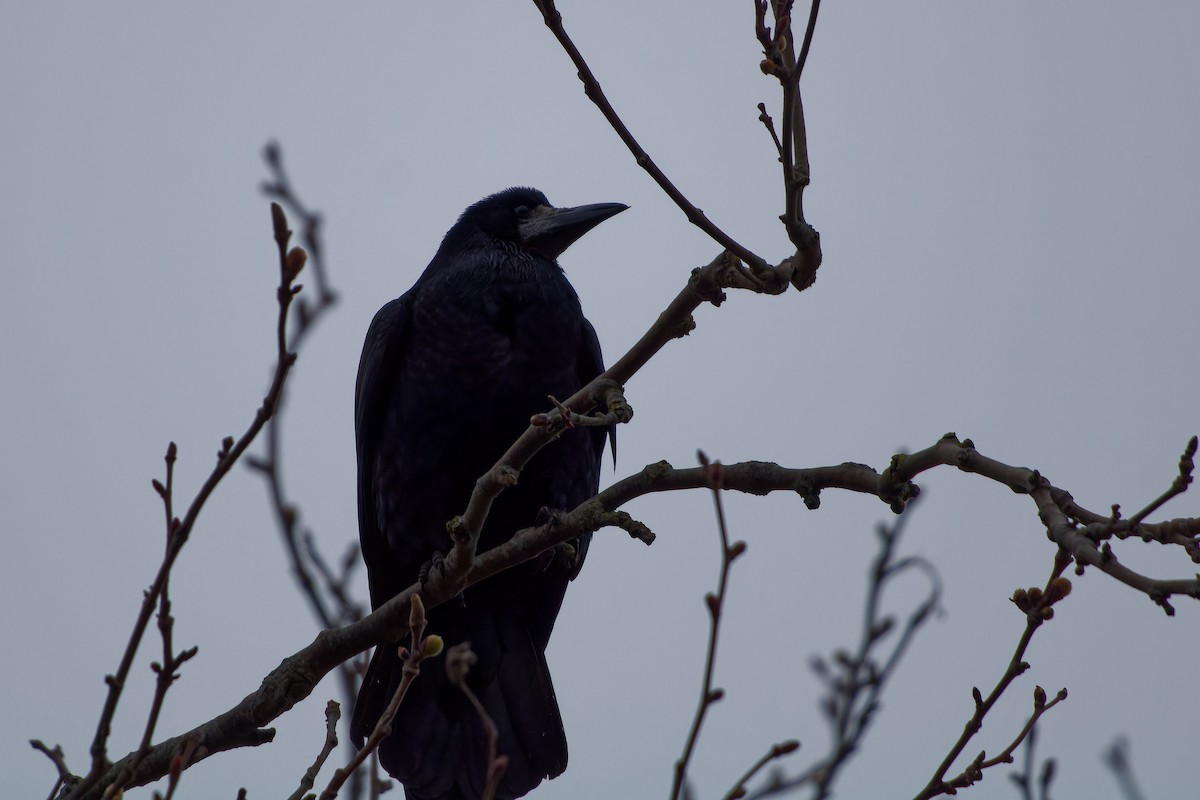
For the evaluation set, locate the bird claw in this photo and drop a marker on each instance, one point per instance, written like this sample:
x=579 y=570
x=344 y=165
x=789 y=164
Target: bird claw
x=548 y=516
x=435 y=562
x=567 y=555
x=563 y=554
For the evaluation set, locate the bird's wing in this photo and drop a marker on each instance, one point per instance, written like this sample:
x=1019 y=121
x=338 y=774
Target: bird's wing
x=377 y=372
x=590 y=364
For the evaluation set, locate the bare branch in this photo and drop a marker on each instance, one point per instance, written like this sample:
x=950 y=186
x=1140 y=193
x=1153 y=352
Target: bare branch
x=715 y=603
x=166 y=671
x=777 y=751
x=280 y=188
x=422 y=647
x=459 y=660
x=290 y=264
x=327 y=598
x=333 y=712
x=855 y=682
x=1025 y=781
x=298 y=675
x=1117 y=759
x=781 y=61
x=55 y=754
x=1038 y=607
x=1178 y=486
x=591 y=87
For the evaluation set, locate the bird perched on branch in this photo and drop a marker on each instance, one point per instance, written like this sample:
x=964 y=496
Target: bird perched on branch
x=451 y=373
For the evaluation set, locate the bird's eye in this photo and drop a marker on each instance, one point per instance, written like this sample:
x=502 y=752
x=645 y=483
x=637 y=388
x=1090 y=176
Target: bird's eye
x=522 y=212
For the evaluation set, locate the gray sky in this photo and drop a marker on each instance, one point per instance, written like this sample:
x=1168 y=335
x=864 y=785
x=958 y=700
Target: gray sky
x=1007 y=198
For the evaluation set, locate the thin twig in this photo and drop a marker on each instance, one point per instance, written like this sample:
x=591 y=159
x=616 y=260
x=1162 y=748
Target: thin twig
x=1024 y=780
x=715 y=603
x=459 y=660
x=1116 y=758
x=422 y=647
x=1178 y=486
x=286 y=513
x=55 y=755
x=281 y=189
x=165 y=670
x=809 y=29
x=298 y=541
x=777 y=751
x=591 y=87
x=337 y=585
x=1037 y=605
x=782 y=62
x=333 y=712
x=290 y=264
x=769 y=124
x=855 y=682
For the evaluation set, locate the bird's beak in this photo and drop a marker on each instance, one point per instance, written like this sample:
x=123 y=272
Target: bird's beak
x=550 y=231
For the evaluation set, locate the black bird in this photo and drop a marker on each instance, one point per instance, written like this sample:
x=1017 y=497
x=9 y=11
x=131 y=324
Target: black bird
x=450 y=374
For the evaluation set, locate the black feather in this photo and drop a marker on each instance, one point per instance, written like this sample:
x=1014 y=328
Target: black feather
x=450 y=374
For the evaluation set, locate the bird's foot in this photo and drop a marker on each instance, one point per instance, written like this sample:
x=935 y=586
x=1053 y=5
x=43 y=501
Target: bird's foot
x=548 y=516
x=563 y=554
x=566 y=555
x=435 y=562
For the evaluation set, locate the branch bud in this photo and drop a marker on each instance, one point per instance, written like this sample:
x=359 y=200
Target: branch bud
x=296 y=259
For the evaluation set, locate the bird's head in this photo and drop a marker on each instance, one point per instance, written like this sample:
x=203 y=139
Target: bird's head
x=525 y=218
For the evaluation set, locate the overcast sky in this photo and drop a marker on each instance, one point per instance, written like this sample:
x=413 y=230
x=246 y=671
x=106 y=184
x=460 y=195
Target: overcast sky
x=1007 y=197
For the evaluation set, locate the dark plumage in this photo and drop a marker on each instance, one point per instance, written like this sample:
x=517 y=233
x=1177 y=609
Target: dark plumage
x=450 y=374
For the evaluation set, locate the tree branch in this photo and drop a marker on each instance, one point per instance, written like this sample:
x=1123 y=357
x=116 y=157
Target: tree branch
x=297 y=676
x=716 y=604
x=591 y=87
x=290 y=264
x=1038 y=607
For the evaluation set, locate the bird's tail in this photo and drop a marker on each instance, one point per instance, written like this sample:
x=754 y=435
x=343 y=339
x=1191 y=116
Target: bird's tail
x=438 y=746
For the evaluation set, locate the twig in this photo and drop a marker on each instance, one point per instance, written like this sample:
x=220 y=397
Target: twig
x=377 y=785
x=280 y=188
x=777 y=751
x=1117 y=759
x=55 y=754
x=1024 y=780
x=337 y=585
x=855 y=682
x=422 y=647
x=459 y=660
x=780 y=60
x=333 y=712
x=715 y=603
x=286 y=514
x=610 y=396
x=1178 y=486
x=298 y=675
x=809 y=29
x=1037 y=605
x=166 y=669
x=769 y=124
x=298 y=542
x=290 y=264
x=591 y=87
